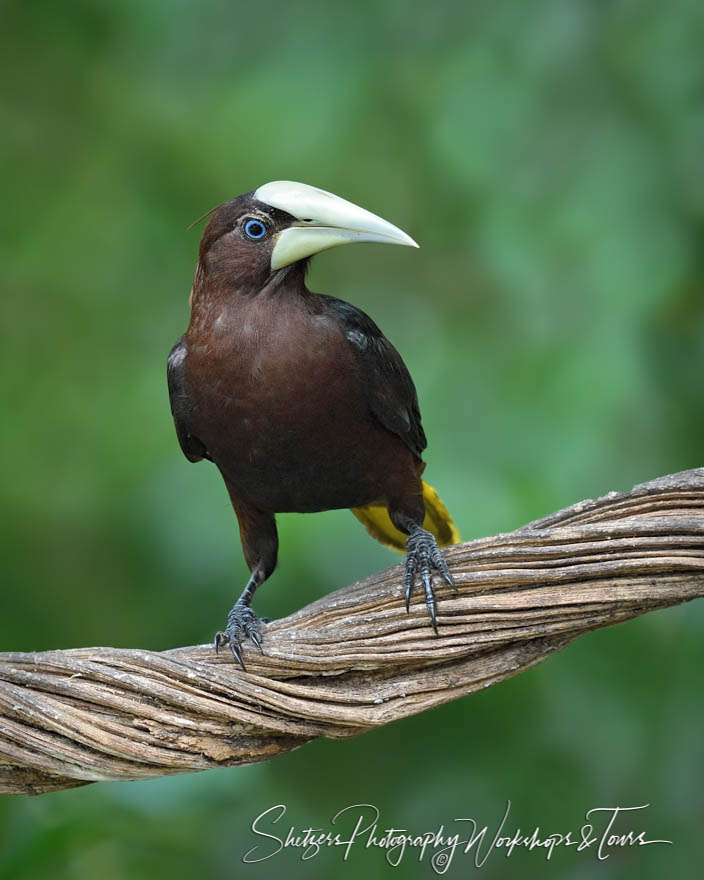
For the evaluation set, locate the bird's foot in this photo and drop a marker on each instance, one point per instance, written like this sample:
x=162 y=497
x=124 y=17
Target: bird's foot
x=242 y=622
x=422 y=556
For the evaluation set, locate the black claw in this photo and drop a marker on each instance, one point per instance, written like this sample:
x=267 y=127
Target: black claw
x=447 y=577
x=441 y=565
x=423 y=553
x=242 y=623
x=433 y=620
x=235 y=648
x=409 y=577
x=429 y=596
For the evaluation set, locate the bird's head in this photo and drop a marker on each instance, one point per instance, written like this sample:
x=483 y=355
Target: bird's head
x=282 y=224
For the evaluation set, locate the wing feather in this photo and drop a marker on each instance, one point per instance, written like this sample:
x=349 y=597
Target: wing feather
x=181 y=406
x=392 y=396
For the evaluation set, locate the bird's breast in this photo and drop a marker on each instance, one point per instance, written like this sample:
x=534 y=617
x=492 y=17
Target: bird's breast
x=281 y=410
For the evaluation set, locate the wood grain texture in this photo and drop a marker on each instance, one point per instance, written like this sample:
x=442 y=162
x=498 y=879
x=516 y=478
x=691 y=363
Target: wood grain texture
x=354 y=659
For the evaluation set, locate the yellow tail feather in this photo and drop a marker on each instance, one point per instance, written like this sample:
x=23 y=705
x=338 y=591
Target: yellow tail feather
x=438 y=522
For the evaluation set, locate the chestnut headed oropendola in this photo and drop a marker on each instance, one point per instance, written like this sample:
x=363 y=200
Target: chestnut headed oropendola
x=298 y=398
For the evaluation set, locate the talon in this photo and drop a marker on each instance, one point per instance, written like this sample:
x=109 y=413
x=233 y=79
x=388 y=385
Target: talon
x=440 y=564
x=422 y=552
x=235 y=648
x=447 y=577
x=409 y=577
x=242 y=622
x=433 y=620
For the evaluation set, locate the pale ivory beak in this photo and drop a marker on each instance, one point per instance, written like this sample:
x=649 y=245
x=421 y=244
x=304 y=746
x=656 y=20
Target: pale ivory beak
x=323 y=221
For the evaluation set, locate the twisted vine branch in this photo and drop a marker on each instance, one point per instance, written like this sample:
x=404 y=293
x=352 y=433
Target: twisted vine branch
x=354 y=659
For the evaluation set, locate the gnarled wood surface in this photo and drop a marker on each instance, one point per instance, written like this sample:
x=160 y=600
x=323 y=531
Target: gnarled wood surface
x=354 y=659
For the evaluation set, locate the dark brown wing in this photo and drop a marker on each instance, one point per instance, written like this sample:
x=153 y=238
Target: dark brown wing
x=390 y=390
x=181 y=406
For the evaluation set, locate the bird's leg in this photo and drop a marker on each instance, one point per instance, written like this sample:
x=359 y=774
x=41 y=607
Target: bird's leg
x=407 y=512
x=242 y=622
x=422 y=556
x=260 y=545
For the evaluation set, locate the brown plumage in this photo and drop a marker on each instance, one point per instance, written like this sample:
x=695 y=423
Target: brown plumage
x=298 y=398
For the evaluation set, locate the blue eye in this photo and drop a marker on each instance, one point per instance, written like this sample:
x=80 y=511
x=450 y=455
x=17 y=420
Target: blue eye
x=254 y=229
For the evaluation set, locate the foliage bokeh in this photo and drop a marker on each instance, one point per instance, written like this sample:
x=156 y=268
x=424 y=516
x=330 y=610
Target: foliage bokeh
x=549 y=157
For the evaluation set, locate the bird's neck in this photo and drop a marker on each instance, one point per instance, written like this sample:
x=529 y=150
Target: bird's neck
x=214 y=295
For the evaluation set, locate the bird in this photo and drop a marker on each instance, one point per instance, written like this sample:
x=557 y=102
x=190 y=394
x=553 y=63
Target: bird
x=298 y=398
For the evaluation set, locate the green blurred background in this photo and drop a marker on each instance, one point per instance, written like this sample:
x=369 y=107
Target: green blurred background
x=549 y=157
